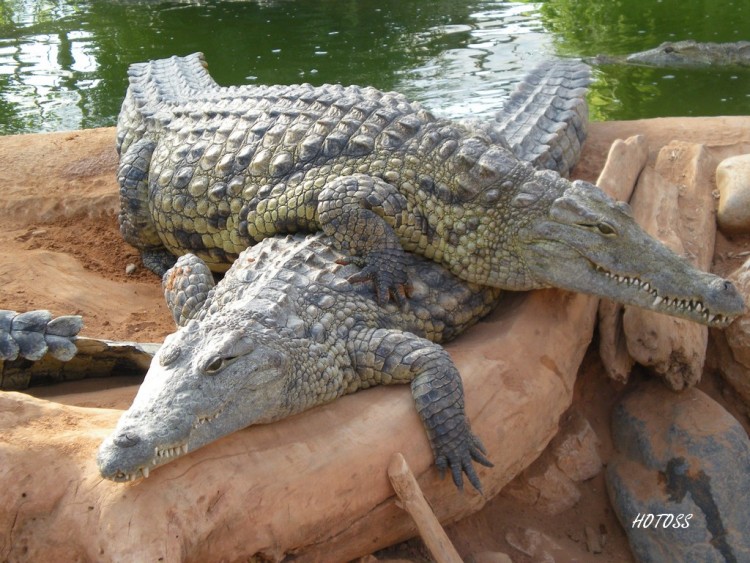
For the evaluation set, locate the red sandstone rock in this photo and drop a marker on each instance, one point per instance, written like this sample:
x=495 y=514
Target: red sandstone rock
x=624 y=164
x=673 y=202
x=733 y=182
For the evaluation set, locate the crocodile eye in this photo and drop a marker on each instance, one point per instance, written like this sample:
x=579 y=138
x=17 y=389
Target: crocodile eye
x=217 y=363
x=214 y=365
x=605 y=228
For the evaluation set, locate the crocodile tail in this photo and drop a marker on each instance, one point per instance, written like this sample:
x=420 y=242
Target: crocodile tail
x=34 y=334
x=546 y=117
x=155 y=85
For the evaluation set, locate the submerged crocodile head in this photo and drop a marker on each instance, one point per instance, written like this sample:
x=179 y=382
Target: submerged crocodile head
x=587 y=242
x=691 y=53
x=204 y=383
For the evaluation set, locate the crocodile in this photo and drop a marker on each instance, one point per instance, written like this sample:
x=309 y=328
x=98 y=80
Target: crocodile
x=284 y=331
x=555 y=88
x=211 y=170
x=686 y=54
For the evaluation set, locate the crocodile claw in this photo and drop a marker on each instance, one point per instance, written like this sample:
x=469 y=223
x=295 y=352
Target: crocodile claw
x=387 y=273
x=459 y=460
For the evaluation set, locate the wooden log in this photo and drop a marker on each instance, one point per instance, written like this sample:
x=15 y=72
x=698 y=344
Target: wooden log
x=625 y=162
x=413 y=501
x=673 y=202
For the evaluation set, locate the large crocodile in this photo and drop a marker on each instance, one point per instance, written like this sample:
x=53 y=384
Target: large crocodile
x=284 y=331
x=211 y=170
x=686 y=54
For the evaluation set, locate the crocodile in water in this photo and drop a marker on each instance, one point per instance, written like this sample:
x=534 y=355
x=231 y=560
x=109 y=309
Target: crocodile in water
x=686 y=54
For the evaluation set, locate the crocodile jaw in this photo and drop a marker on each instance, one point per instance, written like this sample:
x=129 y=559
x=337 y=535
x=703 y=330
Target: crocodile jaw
x=591 y=244
x=183 y=403
x=706 y=299
x=121 y=461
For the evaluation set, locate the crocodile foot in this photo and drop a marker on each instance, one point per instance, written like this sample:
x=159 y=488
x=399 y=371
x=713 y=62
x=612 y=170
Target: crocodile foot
x=387 y=271
x=457 y=455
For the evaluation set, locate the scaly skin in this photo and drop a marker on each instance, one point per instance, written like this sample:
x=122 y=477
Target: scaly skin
x=212 y=170
x=285 y=331
x=33 y=334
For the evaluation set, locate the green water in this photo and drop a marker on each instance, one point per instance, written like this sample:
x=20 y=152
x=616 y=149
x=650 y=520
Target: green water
x=63 y=62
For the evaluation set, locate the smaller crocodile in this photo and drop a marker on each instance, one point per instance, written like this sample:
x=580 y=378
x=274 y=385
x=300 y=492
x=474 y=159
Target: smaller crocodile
x=686 y=54
x=285 y=330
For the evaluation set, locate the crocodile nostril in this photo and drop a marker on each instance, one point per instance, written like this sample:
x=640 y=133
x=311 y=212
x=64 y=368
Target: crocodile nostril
x=126 y=440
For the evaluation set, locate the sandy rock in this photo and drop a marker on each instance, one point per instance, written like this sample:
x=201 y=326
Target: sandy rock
x=533 y=543
x=549 y=484
x=575 y=448
x=593 y=540
x=681 y=455
x=733 y=181
x=624 y=164
x=732 y=345
x=738 y=333
x=673 y=203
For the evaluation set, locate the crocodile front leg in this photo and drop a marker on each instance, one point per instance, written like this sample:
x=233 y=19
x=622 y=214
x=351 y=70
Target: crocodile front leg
x=136 y=223
x=385 y=356
x=186 y=287
x=361 y=212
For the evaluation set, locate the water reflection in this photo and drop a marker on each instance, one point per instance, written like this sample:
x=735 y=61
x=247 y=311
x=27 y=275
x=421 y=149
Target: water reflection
x=63 y=64
x=479 y=62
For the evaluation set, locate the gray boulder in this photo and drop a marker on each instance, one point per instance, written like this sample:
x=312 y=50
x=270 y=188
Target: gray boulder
x=680 y=478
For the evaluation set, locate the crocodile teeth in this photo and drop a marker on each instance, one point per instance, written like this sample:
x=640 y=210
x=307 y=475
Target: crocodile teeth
x=681 y=305
x=175 y=451
x=145 y=472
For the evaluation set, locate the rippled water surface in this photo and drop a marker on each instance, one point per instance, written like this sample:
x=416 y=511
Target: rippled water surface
x=63 y=63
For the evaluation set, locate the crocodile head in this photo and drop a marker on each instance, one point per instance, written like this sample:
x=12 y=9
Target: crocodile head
x=587 y=242
x=681 y=54
x=204 y=383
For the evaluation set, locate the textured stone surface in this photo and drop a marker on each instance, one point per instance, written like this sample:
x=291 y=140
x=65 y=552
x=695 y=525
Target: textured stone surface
x=534 y=544
x=673 y=202
x=549 y=484
x=626 y=161
x=733 y=181
x=732 y=345
x=680 y=454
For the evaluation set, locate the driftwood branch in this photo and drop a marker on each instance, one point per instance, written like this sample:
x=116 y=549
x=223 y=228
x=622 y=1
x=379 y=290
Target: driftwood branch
x=413 y=501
